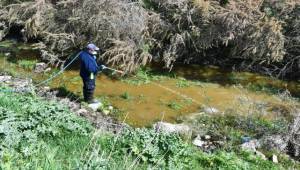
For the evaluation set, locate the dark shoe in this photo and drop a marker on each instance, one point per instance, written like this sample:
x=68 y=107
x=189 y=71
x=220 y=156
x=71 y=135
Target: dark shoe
x=89 y=96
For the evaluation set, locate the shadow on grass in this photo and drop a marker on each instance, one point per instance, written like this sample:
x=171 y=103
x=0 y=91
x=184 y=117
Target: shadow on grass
x=63 y=92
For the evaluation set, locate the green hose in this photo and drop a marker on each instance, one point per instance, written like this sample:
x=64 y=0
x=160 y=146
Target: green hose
x=57 y=74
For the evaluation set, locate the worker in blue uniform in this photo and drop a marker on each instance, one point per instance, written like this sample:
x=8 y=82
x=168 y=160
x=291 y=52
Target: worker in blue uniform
x=88 y=71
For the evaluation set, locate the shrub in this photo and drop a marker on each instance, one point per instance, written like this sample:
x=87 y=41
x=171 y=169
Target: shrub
x=132 y=32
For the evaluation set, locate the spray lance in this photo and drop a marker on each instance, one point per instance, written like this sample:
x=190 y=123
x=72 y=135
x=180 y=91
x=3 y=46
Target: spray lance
x=114 y=70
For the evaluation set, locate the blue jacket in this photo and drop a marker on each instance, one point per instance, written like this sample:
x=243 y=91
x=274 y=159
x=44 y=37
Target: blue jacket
x=88 y=65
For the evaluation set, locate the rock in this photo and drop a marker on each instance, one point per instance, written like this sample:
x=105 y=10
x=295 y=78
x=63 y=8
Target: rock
x=210 y=110
x=207 y=137
x=293 y=137
x=21 y=85
x=5 y=78
x=47 y=70
x=245 y=139
x=275 y=159
x=172 y=128
x=106 y=112
x=40 y=67
x=110 y=108
x=221 y=143
x=198 y=142
x=207 y=143
x=251 y=145
x=47 y=88
x=82 y=112
x=275 y=142
x=95 y=106
x=260 y=155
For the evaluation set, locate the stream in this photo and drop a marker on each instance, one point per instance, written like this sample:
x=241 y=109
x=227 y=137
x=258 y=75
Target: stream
x=155 y=95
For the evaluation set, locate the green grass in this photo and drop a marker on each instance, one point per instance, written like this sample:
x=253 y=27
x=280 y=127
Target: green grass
x=40 y=134
x=145 y=75
x=262 y=87
x=142 y=77
x=12 y=68
x=183 y=83
x=27 y=64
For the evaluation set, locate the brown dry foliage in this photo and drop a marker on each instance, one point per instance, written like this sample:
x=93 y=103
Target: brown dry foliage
x=65 y=25
x=131 y=33
x=248 y=30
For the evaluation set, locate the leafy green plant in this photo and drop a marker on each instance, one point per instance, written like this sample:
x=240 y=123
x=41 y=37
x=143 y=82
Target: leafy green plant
x=142 y=77
x=27 y=64
x=174 y=105
x=145 y=75
x=158 y=149
x=182 y=83
x=126 y=96
x=26 y=120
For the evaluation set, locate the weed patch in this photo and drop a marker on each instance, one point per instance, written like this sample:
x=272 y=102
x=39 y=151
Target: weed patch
x=126 y=96
x=27 y=64
x=231 y=128
x=182 y=83
x=174 y=105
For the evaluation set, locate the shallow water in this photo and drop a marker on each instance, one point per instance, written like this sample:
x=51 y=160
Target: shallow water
x=169 y=98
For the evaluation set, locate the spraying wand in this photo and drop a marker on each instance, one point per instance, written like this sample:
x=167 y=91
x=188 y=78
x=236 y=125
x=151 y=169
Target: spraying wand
x=108 y=68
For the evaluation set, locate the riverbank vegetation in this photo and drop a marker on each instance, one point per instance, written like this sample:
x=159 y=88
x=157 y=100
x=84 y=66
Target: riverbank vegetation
x=37 y=134
x=261 y=36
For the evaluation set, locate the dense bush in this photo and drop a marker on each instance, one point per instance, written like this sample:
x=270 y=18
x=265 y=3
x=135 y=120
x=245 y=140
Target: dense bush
x=118 y=26
x=248 y=30
x=131 y=32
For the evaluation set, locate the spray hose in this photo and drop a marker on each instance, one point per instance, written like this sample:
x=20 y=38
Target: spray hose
x=58 y=73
